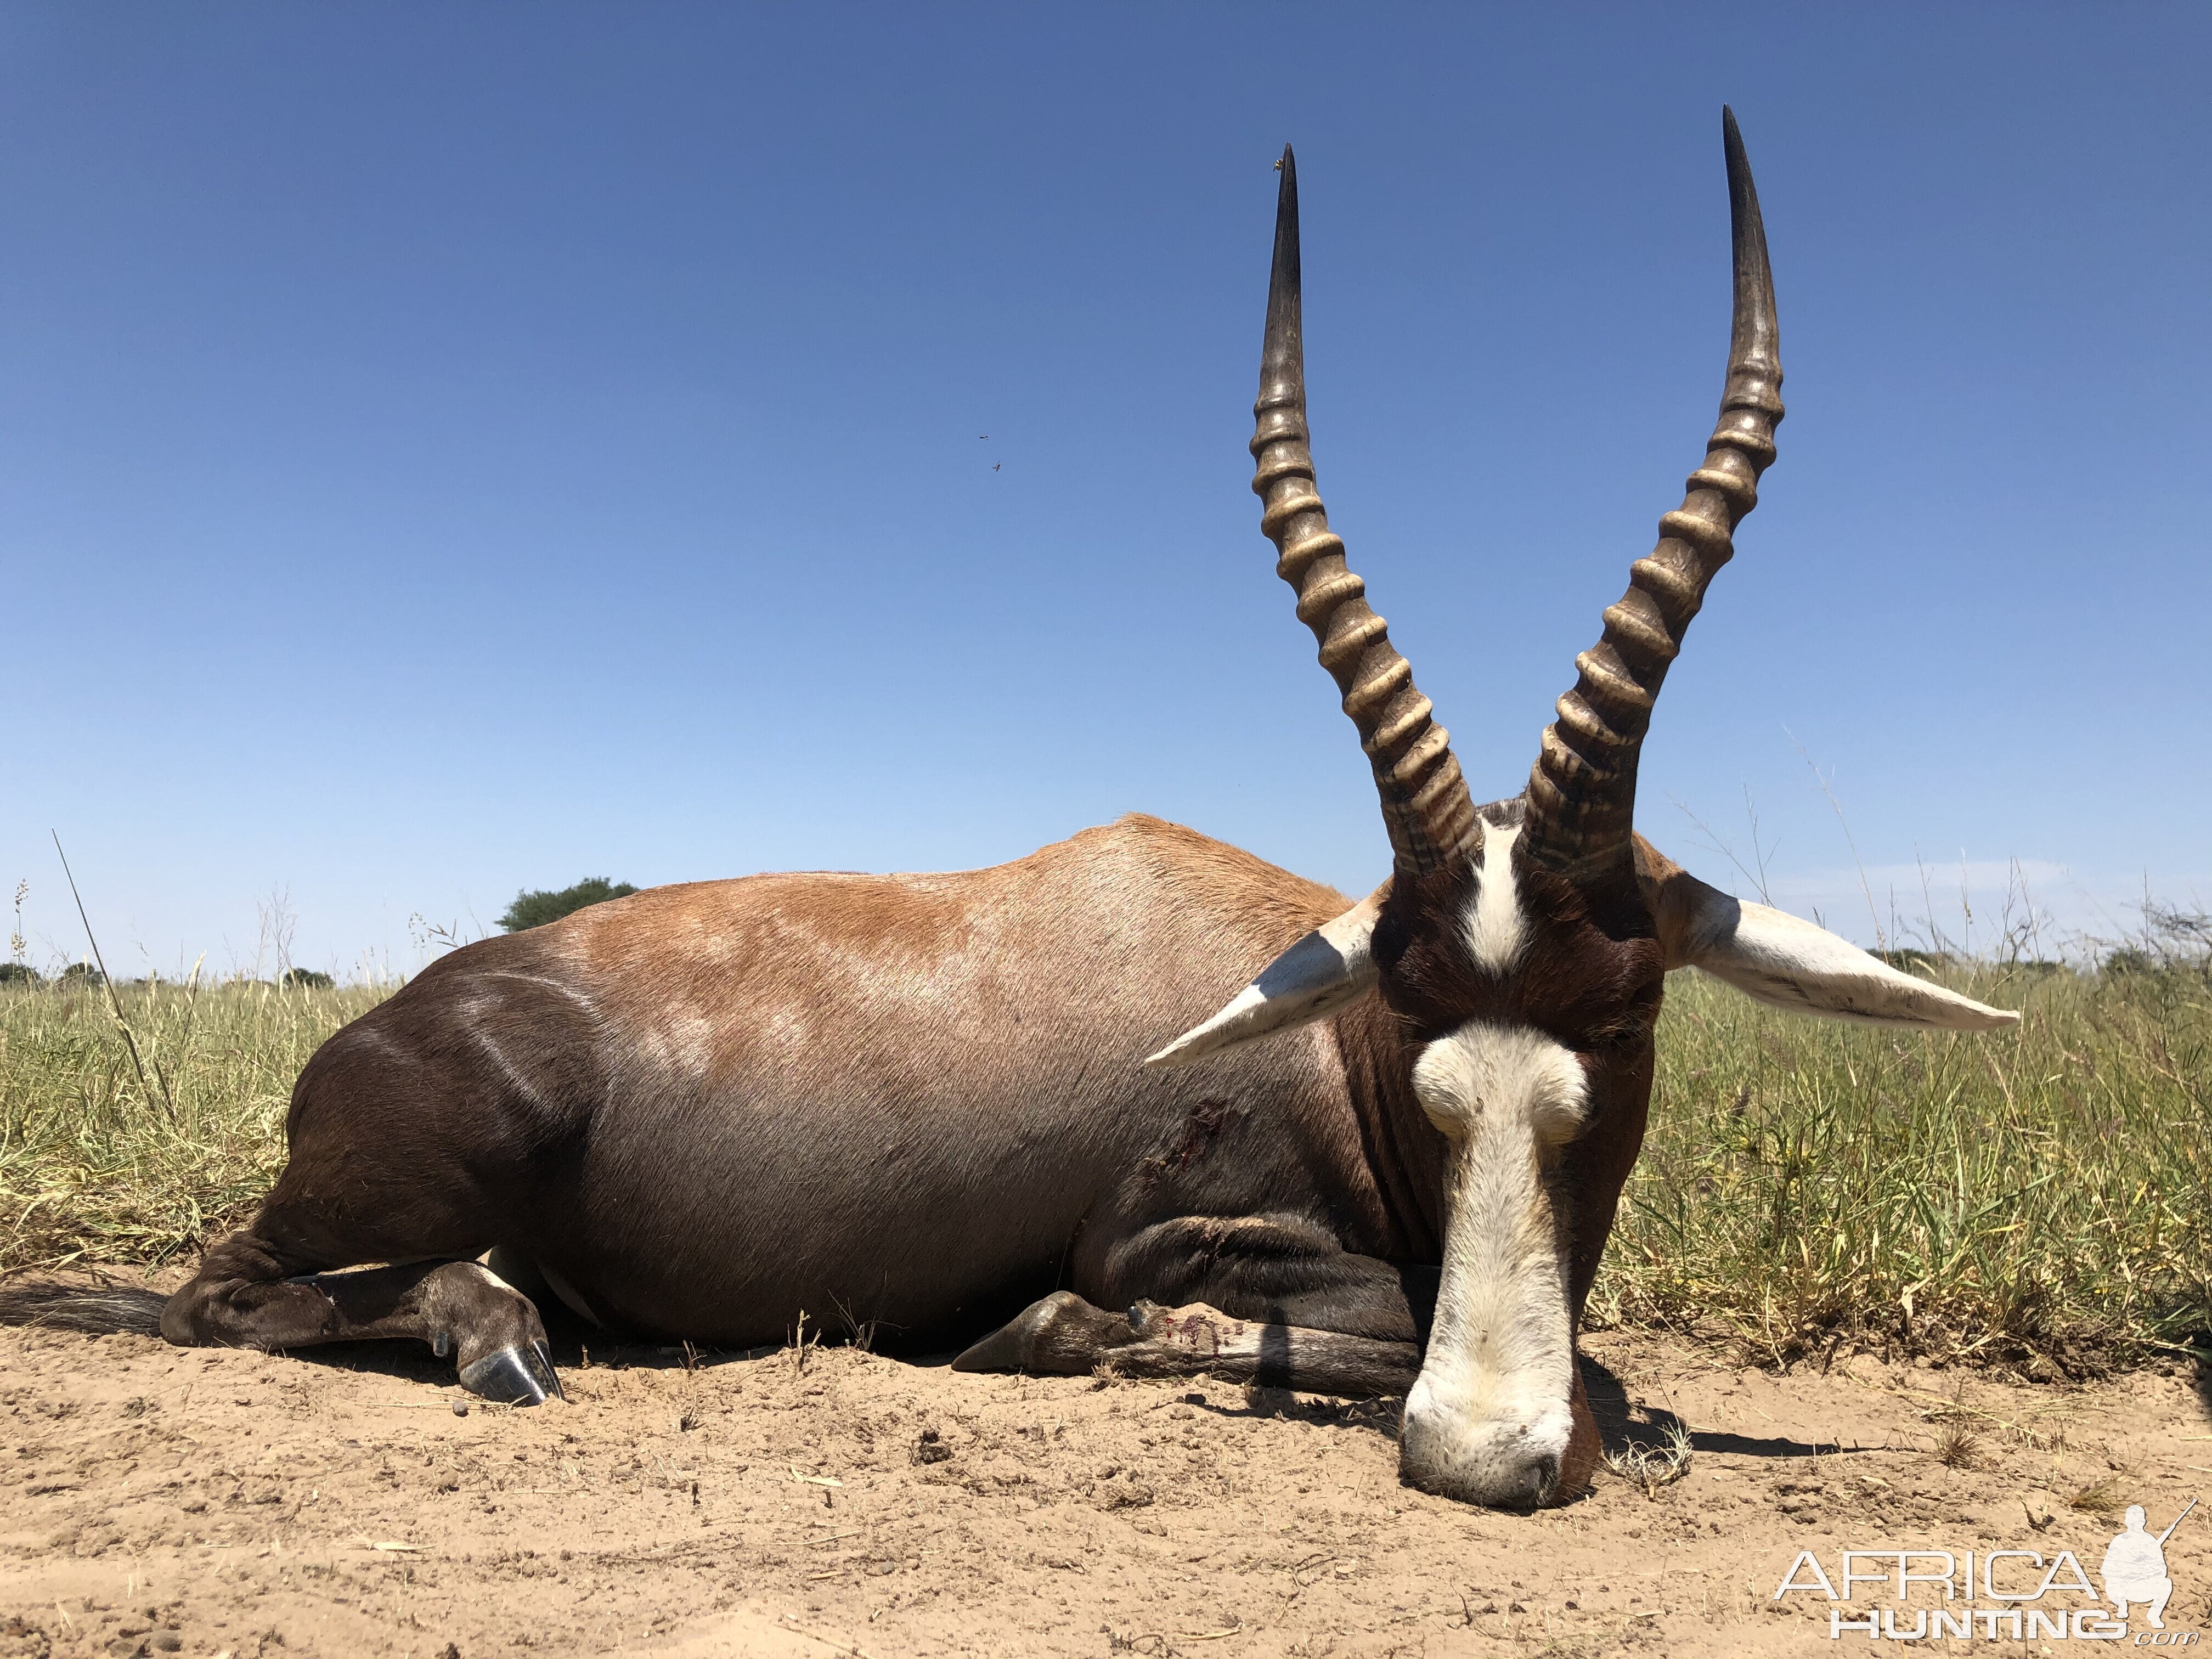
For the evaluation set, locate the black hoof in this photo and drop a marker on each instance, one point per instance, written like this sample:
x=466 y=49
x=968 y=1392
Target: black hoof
x=514 y=1376
x=1013 y=1345
x=1063 y=1335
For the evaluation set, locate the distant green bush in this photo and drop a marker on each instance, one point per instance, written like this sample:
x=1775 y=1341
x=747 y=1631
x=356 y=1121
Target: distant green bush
x=306 y=979
x=535 y=909
x=82 y=973
x=18 y=973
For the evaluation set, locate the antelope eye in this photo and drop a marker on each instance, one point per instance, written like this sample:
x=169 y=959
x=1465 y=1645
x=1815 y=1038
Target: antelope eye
x=1632 y=1027
x=1630 y=1031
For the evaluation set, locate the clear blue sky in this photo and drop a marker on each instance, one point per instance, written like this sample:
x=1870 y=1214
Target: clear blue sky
x=451 y=448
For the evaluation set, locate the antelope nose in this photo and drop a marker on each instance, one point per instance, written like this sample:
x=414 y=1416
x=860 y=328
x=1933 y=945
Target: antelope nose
x=1525 y=1484
x=1503 y=1465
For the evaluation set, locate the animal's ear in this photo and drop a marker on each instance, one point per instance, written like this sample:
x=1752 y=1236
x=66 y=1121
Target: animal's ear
x=1328 y=969
x=1777 y=958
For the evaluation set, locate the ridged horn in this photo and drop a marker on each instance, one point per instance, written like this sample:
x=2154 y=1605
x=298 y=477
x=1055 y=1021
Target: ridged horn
x=1581 y=795
x=1425 y=805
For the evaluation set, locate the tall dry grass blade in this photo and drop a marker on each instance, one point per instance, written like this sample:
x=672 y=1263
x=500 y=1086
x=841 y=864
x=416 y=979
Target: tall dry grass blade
x=114 y=1000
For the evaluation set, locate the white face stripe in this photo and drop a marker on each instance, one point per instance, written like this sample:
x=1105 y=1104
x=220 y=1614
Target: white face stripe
x=1492 y=925
x=1491 y=1404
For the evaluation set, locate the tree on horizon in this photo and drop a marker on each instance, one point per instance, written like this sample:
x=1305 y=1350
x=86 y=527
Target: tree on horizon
x=534 y=908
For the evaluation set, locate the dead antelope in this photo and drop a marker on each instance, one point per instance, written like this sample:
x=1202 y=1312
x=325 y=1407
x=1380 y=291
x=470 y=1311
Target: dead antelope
x=926 y=1099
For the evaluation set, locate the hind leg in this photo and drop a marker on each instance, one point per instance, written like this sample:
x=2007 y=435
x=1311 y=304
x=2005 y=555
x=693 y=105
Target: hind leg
x=450 y=1118
x=251 y=1293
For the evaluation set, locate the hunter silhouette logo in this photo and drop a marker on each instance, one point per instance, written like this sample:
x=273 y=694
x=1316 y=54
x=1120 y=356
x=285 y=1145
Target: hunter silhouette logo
x=2134 y=1568
x=2017 y=1581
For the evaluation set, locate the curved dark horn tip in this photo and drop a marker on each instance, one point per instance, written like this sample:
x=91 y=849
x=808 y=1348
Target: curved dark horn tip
x=1581 y=792
x=1283 y=350
x=1755 y=335
x=1425 y=805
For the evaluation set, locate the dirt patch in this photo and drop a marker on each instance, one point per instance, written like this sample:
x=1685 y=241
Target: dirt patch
x=157 y=1500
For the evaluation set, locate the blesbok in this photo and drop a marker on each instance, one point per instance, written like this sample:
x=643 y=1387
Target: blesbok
x=922 y=1098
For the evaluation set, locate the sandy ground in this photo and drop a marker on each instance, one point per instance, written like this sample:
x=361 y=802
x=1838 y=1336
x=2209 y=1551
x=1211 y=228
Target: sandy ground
x=156 y=1500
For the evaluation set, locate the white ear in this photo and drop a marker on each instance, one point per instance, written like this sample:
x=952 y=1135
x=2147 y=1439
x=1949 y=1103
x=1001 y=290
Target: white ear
x=1329 y=968
x=1775 y=957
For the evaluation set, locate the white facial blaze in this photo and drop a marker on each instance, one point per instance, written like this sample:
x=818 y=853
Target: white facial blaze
x=1488 y=1418
x=1492 y=925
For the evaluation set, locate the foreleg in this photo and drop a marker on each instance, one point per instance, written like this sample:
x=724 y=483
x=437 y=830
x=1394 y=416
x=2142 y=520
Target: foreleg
x=1065 y=1335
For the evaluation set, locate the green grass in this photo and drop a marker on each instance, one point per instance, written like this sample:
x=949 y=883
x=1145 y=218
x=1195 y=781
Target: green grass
x=94 y=1167
x=2037 y=1198
x=2041 y=1197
